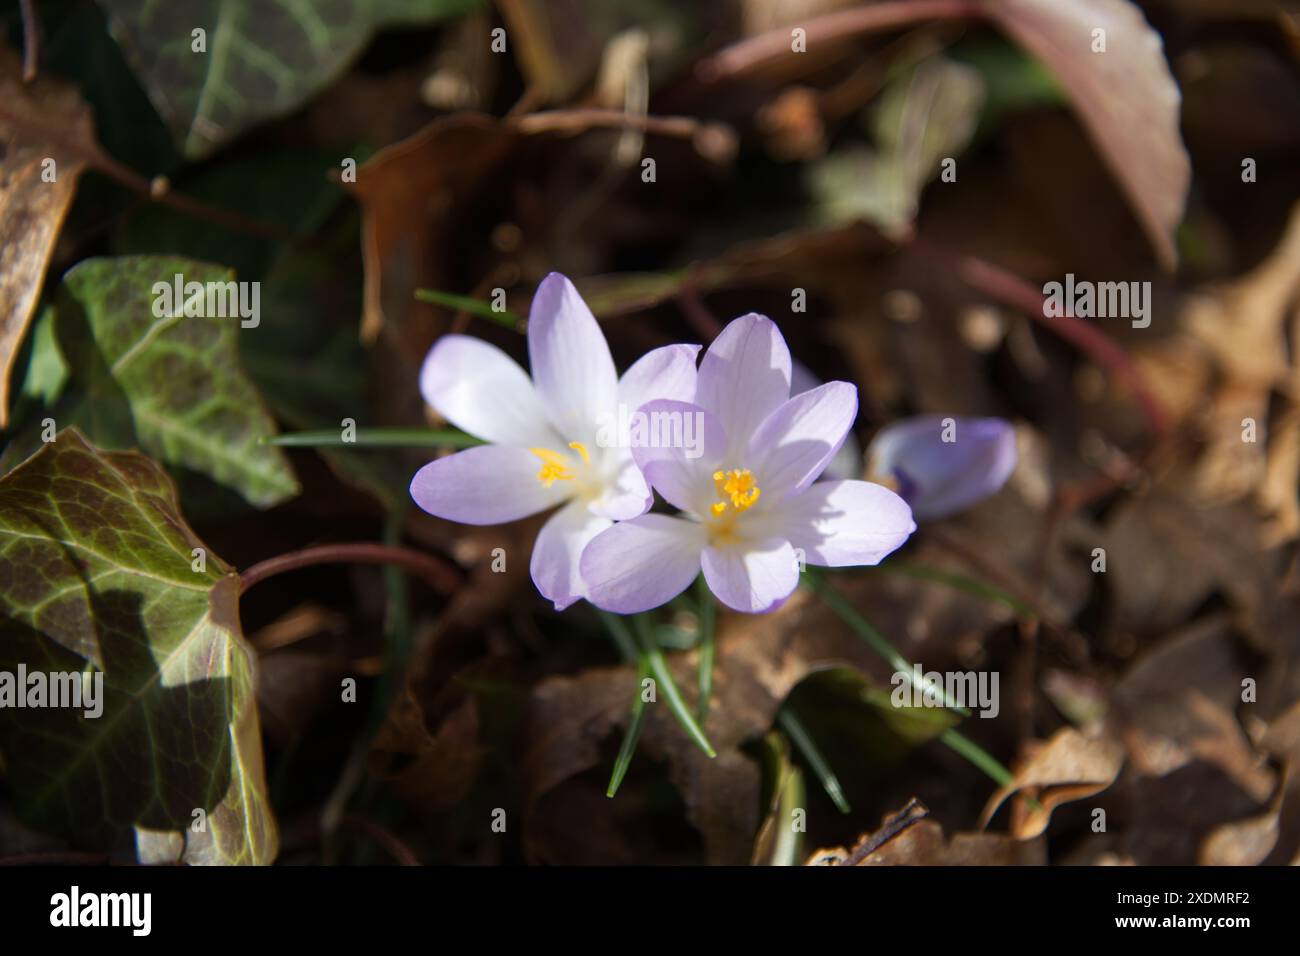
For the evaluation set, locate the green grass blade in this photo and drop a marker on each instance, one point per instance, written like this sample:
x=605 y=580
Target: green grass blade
x=962 y=583
x=803 y=742
x=978 y=756
x=464 y=303
x=376 y=438
x=632 y=734
x=664 y=678
x=960 y=744
x=874 y=639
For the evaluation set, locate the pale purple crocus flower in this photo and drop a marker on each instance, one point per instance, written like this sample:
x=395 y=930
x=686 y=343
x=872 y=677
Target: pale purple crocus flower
x=750 y=507
x=847 y=462
x=944 y=464
x=549 y=436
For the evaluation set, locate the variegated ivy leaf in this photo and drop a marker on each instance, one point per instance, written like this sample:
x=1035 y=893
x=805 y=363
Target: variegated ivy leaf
x=213 y=68
x=164 y=380
x=100 y=574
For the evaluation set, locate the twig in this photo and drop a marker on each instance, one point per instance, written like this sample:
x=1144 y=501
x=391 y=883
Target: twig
x=743 y=56
x=31 y=41
x=440 y=575
x=398 y=850
x=715 y=141
x=692 y=305
x=157 y=189
x=913 y=813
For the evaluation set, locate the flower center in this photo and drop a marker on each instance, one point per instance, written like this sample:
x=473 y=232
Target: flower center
x=555 y=465
x=735 y=487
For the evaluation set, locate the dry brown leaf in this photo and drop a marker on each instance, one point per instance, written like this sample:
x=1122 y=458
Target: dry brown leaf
x=31 y=209
x=1070 y=766
x=1177 y=707
x=435 y=769
x=1127 y=88
x=925 y=845
x=407 y=191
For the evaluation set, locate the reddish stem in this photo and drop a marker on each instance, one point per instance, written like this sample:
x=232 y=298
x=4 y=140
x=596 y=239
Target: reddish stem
x=1011 y=290
x=844 y=24
x=441 y=576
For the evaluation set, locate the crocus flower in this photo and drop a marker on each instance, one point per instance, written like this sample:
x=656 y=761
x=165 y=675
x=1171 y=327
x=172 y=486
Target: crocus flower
x=944 y=464
x=750 y=505
x=549 y=440
x=847 y=462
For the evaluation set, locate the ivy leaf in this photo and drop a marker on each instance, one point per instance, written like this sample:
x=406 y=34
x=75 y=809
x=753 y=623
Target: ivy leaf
x=171 y=384
x=100 y=574
x=259 y=58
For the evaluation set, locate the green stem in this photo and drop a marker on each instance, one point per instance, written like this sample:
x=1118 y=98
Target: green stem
x=961 y=583
x=464 y=303
x=376 y=438
x=800 y=737
x=849 y=615
x=874 y=639
x=644 y=640
x=978 y=756
x=707 y=613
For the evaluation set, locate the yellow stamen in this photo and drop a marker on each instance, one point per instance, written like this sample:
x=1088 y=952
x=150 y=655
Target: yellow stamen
x=737 y=486
x=554 y=467
x=581 y=449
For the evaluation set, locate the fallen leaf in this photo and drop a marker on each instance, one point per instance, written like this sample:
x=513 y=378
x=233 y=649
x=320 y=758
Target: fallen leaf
x=38 y=178
x=925 y=845
x=407 y=192
x=1070 y=766
x=1126 y=88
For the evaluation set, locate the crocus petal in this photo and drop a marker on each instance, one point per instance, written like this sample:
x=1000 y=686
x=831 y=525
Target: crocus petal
x=753 y=577
x=572 y=367
x=794 y=444
x=744 y=377
x=843 y=523
x=486 y=485
x=667 y=372
x=480 y=389
x=558 y=549
x=640 y=564
x=627 y=496
x=938 y=477
x=679 y=446
x=847 y=462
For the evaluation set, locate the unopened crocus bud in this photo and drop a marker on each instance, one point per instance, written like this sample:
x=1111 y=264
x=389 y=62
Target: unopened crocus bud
x=943 y=464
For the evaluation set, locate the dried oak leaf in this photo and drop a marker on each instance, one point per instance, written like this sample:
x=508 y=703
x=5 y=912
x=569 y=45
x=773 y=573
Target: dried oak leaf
x=407 y=192
x=1070 y=766
x=32 y=204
